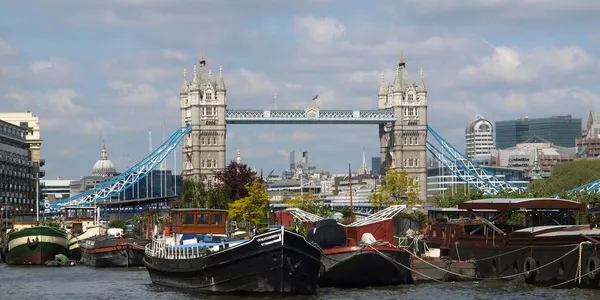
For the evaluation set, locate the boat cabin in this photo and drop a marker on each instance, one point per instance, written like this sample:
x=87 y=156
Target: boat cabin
x=26 y=220
x=505 y=221
x=200 y=221
x=191 y=224
x=79 y=219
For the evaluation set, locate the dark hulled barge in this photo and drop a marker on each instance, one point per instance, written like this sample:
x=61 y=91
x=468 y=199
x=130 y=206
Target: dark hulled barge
x=361 y=254
x=277 y=261
x=547 y=249
x=113 y=251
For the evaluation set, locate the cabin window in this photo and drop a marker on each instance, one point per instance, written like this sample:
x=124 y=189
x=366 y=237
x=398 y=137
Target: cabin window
x=28 y=219
x=18 y=219
x=187 y=219
x=202 y=219
x=217 y=219
x=90 y=213
x=70 y=213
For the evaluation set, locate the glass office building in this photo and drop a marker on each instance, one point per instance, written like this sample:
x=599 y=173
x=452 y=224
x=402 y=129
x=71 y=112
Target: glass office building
x=559 y=130
x=17 y=172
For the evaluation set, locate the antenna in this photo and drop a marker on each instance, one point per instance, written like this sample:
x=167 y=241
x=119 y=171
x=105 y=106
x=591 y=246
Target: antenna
x=151 y=194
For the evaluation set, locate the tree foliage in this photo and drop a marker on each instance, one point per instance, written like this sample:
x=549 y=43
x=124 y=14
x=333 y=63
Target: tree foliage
x=253 y=207
x=195 y=194
x=396 y=188
x=235 y=178
x=311 y=203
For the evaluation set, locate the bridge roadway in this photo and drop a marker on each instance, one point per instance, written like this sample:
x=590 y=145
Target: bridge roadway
x=310 y=115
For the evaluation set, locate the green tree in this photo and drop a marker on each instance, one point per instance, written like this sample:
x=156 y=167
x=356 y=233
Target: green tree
x=252 y=208
x=396 y=188
x=235 y=178
x=196 y=194
x=311 y=203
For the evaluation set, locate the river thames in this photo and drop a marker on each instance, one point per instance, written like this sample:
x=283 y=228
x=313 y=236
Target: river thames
x=81 y=282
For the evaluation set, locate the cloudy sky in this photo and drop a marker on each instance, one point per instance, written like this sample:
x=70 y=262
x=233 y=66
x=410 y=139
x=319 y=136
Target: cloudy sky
x=111 y=70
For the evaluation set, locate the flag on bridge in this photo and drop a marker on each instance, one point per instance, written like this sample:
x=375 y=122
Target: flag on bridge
x=275 y=96
x=315 y=98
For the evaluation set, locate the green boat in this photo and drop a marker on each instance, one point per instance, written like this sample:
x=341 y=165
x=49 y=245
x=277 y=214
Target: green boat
x=29 y=244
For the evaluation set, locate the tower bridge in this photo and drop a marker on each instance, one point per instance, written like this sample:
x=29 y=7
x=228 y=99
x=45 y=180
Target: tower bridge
x=401 y=119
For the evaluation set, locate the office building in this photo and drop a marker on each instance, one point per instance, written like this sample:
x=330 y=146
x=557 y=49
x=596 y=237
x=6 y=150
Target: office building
x=54 y=189
x=559 y=130
x=18 y=174
x=298 y=158
x=440 y=180
x=32 y=123
x=479 y=137
x=376 y=164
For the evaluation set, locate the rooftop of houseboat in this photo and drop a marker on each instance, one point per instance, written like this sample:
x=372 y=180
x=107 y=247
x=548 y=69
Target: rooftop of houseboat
x=508 y=204
x=199 y=209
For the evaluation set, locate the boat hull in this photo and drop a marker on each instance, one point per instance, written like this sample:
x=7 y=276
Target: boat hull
x=75 y=240
x=113 y=253
x=35 y=245
x=557 y=267
x=274 y=262
x=352 y=267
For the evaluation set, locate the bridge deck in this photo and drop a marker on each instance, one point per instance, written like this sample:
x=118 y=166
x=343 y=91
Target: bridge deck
x=311 y=115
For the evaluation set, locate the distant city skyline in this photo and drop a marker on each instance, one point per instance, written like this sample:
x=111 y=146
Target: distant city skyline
x=111 y=71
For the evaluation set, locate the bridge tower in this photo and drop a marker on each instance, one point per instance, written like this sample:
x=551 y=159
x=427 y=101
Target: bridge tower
x=203 y=104
x=403 y=142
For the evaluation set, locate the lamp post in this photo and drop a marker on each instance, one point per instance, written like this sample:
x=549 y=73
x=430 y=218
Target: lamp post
x=37 y=196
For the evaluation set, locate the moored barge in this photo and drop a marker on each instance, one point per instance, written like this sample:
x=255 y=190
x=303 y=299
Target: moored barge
x=277 y=261
x=361 y=254
x=113 y=251
x=30 y=244
x=548 y=248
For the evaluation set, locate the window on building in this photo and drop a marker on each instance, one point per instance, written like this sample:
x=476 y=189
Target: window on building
x=202 y=219
x=217 y=219
x=187 y=219
x=209 y=96
x=411 y=97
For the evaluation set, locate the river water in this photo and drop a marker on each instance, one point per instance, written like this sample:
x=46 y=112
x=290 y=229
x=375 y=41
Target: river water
x=81 y=282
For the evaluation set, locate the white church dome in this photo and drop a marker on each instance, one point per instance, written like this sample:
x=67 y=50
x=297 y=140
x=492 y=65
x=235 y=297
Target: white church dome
x=104 y=167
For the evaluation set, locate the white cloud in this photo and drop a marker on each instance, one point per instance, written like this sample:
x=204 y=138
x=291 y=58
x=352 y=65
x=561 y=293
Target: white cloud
x=6 y=49
x=321 y=30
x=53 y=71
x=507 y=65
x=59 y=102
x=138 y=94
x=249 y=83
x=297 y=49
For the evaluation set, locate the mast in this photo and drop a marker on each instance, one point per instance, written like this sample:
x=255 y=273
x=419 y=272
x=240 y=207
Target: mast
x=350 y=180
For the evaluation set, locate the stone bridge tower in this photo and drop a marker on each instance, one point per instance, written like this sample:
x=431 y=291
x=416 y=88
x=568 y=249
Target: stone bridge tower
x=403 y=142
x=203 y=104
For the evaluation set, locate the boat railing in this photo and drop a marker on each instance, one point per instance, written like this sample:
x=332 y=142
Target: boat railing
x=159 y=249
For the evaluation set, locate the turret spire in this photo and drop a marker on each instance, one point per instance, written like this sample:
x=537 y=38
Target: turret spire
x=221 y=81
x=103 y=155
x=382 y=87
x=195 y=78
x=185 y=82
x=202 y=57
x=364 y=169
x=422 y=87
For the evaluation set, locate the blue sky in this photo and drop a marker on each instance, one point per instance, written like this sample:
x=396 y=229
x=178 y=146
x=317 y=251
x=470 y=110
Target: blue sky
x=111 y=70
